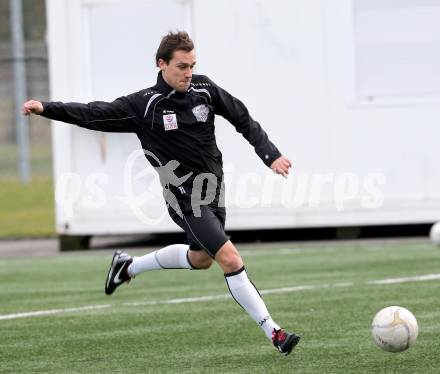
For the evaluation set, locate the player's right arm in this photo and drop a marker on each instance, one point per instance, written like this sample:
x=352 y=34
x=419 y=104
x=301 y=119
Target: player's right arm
x=116 y=116
x=32 y=107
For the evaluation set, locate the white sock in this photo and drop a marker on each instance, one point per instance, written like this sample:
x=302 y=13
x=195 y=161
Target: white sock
x=248 y=297
x=171 y=257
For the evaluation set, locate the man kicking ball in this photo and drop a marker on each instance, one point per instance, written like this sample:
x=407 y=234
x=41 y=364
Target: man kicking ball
x=174 y=121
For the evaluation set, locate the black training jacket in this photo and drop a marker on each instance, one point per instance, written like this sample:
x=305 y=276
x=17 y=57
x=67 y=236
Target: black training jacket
x=172 y=126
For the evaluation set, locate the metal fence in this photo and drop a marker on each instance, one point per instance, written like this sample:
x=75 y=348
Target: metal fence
x=37 y=79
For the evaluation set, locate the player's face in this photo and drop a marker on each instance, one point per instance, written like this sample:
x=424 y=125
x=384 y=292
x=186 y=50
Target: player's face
x=178 y=72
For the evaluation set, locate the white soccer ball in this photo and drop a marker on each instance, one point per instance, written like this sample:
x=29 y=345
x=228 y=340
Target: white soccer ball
x=434 y=234
x=394 y=329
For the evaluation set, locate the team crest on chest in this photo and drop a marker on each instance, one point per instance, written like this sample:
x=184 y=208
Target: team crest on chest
x=170 y=122
x=201 y=112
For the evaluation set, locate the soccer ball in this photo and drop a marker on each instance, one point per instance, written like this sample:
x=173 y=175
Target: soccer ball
x=434 y=234
x=394 y=329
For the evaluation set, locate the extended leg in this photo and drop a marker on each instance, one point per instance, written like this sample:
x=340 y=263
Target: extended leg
x=242 y=289
x=247 y=296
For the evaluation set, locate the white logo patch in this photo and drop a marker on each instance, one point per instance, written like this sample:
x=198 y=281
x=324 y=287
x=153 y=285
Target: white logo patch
x=201 y=112
x=170 y=122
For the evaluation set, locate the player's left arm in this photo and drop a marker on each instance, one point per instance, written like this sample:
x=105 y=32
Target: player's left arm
x=238 y=115
x=281 y=166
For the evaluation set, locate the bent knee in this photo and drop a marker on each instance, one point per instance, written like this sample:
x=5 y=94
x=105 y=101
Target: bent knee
x=205 y=264
x=200 y=260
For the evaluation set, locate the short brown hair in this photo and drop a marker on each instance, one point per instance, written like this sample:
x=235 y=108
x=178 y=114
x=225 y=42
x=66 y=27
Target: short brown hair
x=178 y=41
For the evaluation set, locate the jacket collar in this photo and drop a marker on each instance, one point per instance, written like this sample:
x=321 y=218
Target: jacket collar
x=163 y=86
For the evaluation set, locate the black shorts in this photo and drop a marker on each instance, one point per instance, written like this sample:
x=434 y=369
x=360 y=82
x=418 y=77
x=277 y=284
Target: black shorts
x=206 y=232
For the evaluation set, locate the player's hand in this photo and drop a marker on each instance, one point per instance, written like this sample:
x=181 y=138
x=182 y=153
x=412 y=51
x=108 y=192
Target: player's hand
x=32 y=106
x=281 y=166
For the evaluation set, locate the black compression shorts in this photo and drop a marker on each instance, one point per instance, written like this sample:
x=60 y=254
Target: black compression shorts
x=206 y=232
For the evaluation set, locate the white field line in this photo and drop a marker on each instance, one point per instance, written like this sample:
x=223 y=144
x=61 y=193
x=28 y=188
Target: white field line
x=227 y=296
x=420 y=278
x=53 y=311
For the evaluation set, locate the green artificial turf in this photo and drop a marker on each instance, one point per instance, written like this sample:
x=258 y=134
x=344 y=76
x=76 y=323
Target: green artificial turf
x=332 y=313
x=27 y=210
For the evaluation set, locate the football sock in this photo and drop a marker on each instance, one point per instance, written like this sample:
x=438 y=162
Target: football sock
x=248 y=297
x=174 y=256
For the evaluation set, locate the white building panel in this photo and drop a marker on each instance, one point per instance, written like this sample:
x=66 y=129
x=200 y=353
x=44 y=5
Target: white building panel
x=344 y=89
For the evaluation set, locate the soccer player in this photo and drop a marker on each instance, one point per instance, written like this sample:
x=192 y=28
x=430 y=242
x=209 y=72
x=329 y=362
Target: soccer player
x=174 y=121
